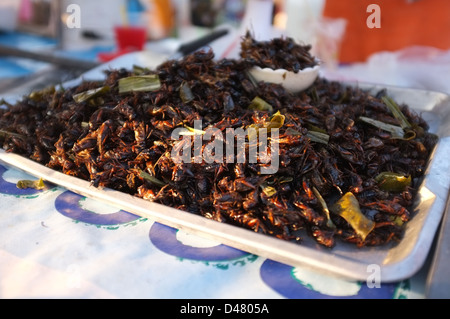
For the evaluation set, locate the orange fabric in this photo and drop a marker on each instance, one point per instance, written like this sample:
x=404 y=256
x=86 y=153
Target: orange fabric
x=403 y=24
x=165 y=13
x=161 y=18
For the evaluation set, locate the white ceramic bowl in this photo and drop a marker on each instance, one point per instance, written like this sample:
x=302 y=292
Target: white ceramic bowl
x=293 y=82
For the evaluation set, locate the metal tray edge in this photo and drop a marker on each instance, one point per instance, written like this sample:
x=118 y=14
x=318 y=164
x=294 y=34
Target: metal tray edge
x=324 y=261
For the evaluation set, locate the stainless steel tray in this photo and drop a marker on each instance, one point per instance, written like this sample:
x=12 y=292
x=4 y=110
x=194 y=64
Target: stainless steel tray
x=391 y=263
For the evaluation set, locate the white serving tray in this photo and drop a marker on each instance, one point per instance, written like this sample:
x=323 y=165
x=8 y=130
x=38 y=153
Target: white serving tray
x=394 y=262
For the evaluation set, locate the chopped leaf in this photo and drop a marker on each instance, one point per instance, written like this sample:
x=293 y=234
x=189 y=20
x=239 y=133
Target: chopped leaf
x=260 y=105
x=291 y=131
x=314 y=136
x=348 y=208
x=393 y=107
x=397 y=220
x=151 y=179
x=4 y=102
x=269 y=191
x=315 y=128
x=90 y=94
x=139 y=83
x=4 y=133
x=39 y=95
x=139 y=70
x=275 y=121
x=191 y=131
x=393 y=182
x=285 y=179
x=324 y=205
x=318 y=137
x=411 y=130
x=396 y=131
x=36 y=184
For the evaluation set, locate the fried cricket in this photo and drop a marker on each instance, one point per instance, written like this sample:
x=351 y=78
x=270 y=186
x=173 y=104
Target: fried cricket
x=340 y=177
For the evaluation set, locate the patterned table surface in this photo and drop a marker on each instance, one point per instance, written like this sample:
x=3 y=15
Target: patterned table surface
x=57 y=244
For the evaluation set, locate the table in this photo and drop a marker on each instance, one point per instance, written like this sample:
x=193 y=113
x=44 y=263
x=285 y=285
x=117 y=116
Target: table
x=57 y=244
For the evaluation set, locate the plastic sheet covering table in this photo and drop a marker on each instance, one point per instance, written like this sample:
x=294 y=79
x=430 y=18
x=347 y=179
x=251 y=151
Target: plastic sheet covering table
x=57 y=244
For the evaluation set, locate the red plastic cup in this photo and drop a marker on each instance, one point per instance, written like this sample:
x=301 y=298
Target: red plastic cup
x=130 y=38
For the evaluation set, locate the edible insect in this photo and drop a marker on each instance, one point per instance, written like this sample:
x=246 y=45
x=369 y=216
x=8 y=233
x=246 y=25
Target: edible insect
x=341 y=177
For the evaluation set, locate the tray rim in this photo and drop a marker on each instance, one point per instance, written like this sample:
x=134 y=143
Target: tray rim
x=265 y=246
x=259 y=244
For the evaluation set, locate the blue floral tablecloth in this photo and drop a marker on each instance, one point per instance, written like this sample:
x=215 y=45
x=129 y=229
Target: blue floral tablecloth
x=58 y=244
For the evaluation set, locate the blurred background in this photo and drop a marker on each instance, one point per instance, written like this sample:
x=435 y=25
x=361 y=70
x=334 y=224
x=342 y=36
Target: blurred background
x=397 y=42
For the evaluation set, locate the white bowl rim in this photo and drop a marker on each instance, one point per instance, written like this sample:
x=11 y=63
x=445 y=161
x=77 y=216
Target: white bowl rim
x=281 y=71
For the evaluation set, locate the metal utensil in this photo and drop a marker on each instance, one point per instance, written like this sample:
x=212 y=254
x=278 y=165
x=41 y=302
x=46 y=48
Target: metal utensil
x=48 y=57
x=79 y=64
x=191 y=46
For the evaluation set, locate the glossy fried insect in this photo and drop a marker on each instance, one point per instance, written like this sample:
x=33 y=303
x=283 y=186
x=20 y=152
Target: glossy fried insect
x=278 y=53
x=123 y=141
